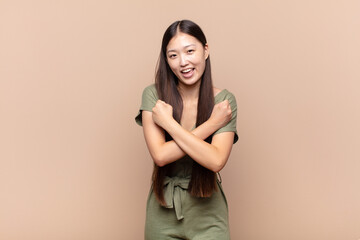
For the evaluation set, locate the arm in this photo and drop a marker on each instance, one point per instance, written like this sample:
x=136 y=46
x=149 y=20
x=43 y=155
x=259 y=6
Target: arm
x=167 y=152
x=212 y=156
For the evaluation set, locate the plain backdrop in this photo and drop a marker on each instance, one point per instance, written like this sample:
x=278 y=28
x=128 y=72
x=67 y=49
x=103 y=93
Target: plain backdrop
x=74 y=165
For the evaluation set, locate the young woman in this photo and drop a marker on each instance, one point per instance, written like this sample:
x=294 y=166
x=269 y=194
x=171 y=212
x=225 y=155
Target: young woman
x=189 y=128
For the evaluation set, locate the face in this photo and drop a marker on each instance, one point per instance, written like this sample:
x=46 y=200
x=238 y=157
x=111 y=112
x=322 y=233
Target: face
x=186 y=57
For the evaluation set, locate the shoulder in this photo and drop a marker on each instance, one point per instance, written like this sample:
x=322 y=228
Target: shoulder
x=151 y=89
x=225 y=95
x=148 y=101
x=216 y=90
x=149 y=98
x=150 y=93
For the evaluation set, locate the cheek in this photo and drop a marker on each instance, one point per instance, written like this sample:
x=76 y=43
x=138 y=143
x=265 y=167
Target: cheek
x=199 y=59
x=172 y=66
x=201 y=62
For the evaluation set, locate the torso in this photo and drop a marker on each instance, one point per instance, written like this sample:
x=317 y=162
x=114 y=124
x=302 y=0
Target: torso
x=188 y=118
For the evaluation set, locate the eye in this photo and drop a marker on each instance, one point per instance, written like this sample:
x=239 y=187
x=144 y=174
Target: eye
x=191 y=51
x=172 y=55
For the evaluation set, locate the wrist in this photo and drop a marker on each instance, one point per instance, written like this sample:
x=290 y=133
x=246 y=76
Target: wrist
x=170 y=124
x=211 y=124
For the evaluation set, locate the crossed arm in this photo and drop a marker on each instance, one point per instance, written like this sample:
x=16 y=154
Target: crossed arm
x=212 y=155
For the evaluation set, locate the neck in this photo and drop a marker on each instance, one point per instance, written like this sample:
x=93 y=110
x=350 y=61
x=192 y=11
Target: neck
x=189 y=93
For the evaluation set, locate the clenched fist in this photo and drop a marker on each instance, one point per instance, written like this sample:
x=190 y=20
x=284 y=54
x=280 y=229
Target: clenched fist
x=221 y=114
x=162 y=113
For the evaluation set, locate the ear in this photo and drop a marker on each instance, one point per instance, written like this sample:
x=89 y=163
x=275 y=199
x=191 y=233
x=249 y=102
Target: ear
x=206 y=51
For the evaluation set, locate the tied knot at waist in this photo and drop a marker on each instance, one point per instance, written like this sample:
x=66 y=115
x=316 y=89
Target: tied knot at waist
x=172 y=187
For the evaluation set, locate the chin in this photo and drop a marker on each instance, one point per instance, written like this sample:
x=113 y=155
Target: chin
x=189 y=82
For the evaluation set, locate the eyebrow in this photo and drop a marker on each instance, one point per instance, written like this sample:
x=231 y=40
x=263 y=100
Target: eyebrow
x=172 y=50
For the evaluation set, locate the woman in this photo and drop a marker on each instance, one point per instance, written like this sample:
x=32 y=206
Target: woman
x=189 y=128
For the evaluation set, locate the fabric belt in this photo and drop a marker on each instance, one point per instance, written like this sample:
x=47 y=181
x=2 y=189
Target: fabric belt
x=172 y=187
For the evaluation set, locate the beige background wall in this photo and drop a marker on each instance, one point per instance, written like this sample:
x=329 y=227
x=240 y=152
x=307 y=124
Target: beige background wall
x=73 y=163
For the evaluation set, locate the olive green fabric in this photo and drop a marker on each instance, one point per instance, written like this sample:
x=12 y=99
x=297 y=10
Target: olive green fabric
x=150 y=97
x=203 y=218
x=185 y=216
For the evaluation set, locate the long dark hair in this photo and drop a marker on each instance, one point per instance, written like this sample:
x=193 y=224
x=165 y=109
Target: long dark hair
x=203 y=180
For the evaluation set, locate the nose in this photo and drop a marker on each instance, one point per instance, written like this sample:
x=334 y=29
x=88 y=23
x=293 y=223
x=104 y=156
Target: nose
x=183 y=61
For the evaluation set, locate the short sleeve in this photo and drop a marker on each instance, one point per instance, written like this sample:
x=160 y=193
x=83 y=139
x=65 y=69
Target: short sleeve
x=231 y=126
x=148 y=101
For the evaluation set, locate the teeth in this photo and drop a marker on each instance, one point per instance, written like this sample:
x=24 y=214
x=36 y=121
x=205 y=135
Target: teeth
x=186 y=71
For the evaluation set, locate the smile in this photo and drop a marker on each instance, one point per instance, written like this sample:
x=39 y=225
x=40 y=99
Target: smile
x=187 y=73
x=186 y=70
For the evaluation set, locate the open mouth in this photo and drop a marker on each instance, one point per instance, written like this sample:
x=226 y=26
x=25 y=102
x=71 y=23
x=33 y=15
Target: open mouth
x=187 y=73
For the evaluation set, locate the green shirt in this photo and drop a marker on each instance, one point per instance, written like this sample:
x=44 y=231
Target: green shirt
x=150 y=97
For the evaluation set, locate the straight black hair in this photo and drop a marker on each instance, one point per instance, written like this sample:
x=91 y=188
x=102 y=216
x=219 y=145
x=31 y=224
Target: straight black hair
x=203 y=180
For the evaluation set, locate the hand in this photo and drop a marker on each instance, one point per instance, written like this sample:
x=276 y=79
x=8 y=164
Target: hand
x=162 y=113
x=221 y=114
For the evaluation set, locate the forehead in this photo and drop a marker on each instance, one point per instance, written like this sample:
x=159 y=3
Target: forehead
x=181 y=40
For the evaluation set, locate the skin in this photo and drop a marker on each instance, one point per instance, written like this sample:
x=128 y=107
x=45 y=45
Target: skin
x=185 y=53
